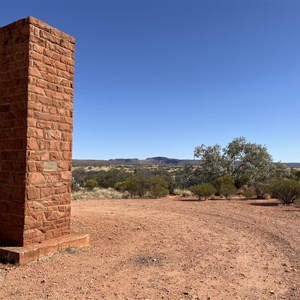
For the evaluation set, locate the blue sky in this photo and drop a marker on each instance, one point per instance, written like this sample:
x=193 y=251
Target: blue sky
x=158 y=78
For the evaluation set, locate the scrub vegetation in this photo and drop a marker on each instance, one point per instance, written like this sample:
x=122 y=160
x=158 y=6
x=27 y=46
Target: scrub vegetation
x=240 y=169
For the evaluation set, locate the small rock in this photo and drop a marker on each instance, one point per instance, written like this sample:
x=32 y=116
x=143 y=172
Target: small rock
x=272 y=292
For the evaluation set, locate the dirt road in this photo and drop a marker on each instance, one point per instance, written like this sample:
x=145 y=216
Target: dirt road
x=170 y=249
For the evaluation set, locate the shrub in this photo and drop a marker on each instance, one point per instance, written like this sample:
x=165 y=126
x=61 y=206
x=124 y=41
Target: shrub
x=99 y=193
x=285 y=190
x=135 y=186
x=223 y=180
x=203 y=190
x=261 y=190
x=120 y=186
x=155 y=187
x=107 y=179
x=182 y=193
x=91 y=183
x=249 y=194
x=75 y=187
x=241 y=181
x=295 y=174
x=158 y=191
x=227 y=190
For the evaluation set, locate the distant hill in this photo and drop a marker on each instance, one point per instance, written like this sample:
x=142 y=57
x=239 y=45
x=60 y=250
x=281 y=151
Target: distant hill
x=159 y=160
x=135 y=161
x=293 y=165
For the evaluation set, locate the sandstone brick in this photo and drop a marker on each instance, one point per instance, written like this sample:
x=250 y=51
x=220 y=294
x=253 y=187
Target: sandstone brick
x=46 y=192
x=33 y=193
x=32 y=144
x=55 y=155
x=67 y=155
x=65 y=166
x=44 y=156
x=43 y=124
x=36 y=178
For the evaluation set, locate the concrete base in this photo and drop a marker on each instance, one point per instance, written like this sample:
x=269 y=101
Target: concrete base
x=24 y=255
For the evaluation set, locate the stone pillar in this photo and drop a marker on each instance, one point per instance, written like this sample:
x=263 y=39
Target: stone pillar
x=14 y=57
x=36 y=122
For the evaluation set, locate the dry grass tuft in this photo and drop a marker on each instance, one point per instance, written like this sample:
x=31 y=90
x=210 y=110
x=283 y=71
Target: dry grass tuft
x=182 y=193
x=99 y=193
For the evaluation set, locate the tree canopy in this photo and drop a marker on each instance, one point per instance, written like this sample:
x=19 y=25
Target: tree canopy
x=238 y=159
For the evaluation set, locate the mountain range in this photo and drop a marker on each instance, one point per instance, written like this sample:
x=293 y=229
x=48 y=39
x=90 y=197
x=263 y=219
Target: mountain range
x=159 y=160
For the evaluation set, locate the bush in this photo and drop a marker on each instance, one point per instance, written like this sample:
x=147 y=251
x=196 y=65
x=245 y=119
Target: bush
x=91 y=183
x=285 y=190
x=241 y=181
x=107 y=179
x=295 y=174
x=182 y=193
x=223 y=180
x=228 y=190
x=261 y=190
x=158 y=191
x=98 y=193
x=203 y=190
x=249 y=194
x=120 y=186
x=155 y=187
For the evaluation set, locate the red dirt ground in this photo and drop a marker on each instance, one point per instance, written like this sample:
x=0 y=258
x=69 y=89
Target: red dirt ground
x=170 y=248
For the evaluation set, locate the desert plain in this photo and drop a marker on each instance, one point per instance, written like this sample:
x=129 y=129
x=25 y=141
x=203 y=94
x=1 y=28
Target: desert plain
x=170 y=248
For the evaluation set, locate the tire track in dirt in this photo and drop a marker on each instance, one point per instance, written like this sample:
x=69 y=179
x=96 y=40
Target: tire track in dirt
x=221 y=228
x=274 y=242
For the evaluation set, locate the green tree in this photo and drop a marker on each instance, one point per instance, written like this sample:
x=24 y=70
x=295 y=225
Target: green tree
x=281 y=170
x=190 y=175
x=238 y=159
x=204 y=190
x=241 y=181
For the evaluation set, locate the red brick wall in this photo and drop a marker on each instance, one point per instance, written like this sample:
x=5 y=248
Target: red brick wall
x=14 y=55
x=46 y=153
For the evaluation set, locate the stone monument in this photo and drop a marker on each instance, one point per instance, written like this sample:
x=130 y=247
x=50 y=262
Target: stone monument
x=36 y=124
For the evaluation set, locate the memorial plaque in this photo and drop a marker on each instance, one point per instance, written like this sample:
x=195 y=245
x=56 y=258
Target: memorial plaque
x=50 y=165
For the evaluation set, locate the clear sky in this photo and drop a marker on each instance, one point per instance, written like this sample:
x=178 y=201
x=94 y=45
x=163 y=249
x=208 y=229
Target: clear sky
x=160 y=77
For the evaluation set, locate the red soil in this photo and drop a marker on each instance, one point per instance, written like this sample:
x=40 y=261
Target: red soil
x=170 y=248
